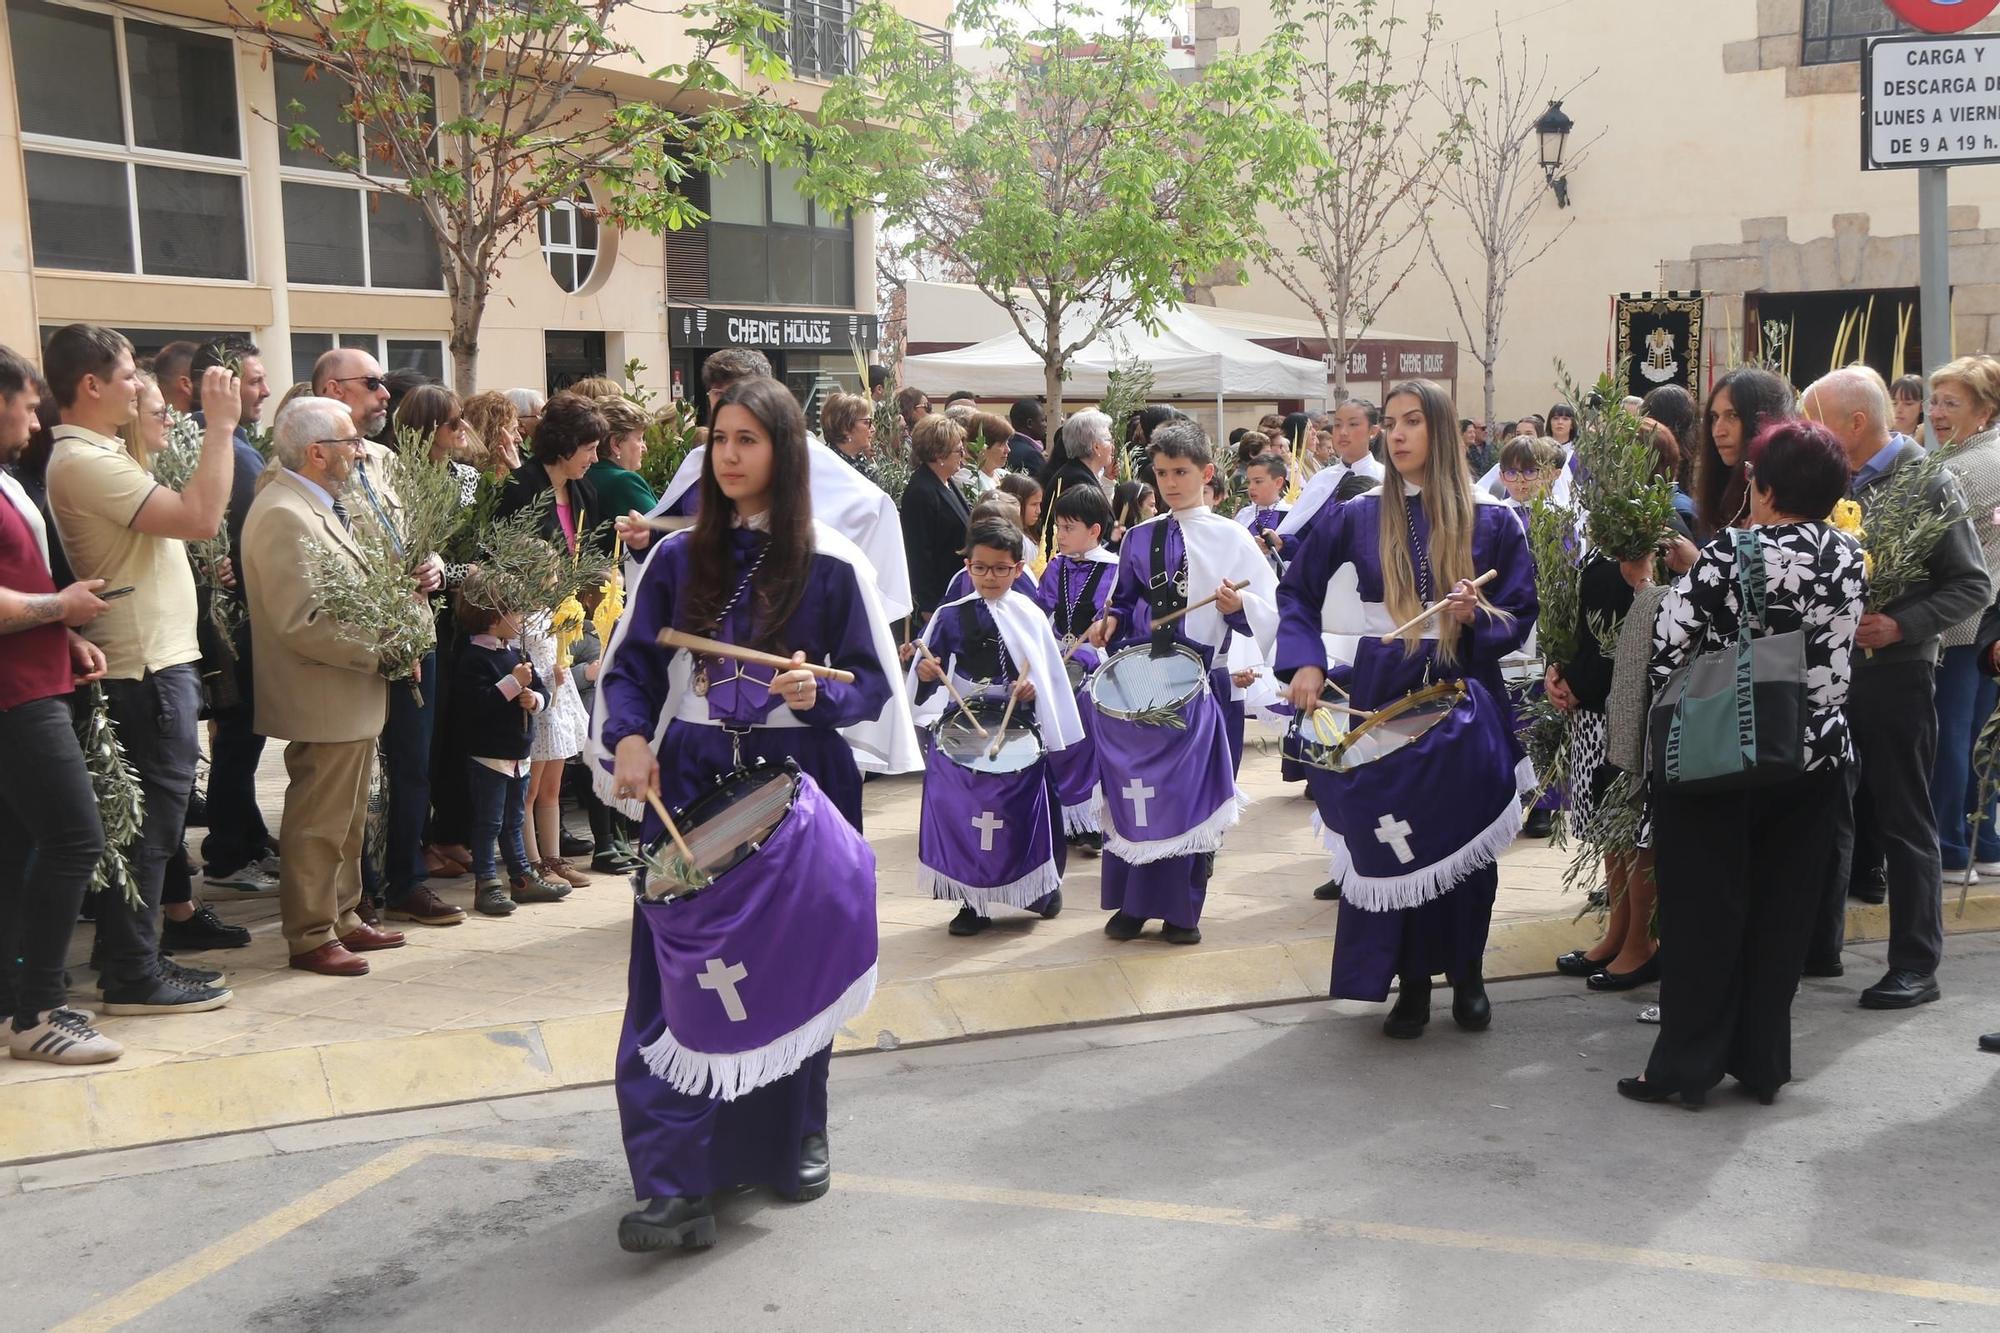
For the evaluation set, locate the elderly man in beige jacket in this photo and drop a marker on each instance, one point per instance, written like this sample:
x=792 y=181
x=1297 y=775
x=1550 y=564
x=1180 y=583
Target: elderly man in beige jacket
x=316 y=688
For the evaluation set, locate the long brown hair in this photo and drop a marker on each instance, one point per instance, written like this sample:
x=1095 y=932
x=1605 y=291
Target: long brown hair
x=1721 y=491
x=1449 y=505
x=712 y=571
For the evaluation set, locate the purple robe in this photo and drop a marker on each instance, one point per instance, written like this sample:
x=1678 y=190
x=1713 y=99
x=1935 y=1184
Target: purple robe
x=1448 y=933
x=1074 y=600
x=676 y=1144
x=1172 y=889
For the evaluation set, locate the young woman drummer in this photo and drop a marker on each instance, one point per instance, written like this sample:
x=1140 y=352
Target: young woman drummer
x=1423 y=537
x=752 y=571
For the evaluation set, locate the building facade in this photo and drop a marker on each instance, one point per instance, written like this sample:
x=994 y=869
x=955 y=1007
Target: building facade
x=1727 y=160
x=145 y=185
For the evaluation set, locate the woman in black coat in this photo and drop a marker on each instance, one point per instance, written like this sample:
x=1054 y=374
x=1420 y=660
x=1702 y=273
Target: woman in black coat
x=565 y=446
x=1082 y=454
x=934 y=514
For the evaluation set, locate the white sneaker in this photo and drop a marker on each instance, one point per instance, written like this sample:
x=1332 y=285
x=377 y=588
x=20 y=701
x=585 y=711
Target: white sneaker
x=252 y=878
x=1987 y=869
x=63 y=1036
x=269 y=865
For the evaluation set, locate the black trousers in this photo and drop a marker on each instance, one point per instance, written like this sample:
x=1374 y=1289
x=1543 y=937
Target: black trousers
x=1892 y=717
x=155 y=717
x=1741 y=877
x=50 y=840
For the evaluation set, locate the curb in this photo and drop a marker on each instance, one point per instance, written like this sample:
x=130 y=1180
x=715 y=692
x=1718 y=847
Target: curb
x=192 y=1099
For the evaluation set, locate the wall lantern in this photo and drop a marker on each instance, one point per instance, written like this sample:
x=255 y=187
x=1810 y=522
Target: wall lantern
x=1552 y=129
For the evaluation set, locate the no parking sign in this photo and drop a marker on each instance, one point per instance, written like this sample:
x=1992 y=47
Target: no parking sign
x=1943 y=15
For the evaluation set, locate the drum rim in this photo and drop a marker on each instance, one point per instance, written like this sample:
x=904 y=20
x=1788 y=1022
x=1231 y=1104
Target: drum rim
x=979 y=707
x=762 y=768
x=1133 y=715
x=1389 y=712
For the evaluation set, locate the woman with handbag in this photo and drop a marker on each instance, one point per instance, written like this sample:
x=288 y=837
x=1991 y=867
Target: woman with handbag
x=1745 y=800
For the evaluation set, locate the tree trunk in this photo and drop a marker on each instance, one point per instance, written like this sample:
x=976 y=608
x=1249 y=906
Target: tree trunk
x=468 y=311
x=1052 y=375
x=1490 y=418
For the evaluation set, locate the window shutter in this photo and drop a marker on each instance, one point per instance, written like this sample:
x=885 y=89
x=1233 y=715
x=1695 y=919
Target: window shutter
x=687 y=249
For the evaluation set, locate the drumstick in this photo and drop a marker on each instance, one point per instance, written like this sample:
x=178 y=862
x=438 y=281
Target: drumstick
x=673 y=638
x=1170 y=618
x=664 y=524
x=1434 y=608
x=952 y=689
x=1013 y=697
x=673 y=829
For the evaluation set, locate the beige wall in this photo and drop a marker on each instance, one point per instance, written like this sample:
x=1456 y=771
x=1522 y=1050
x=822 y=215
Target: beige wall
x=1690 y=151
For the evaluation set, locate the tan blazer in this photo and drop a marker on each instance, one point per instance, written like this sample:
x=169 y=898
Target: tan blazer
x=313 y=683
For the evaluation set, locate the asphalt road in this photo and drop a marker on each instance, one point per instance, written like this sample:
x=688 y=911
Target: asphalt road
x=1280 y=1168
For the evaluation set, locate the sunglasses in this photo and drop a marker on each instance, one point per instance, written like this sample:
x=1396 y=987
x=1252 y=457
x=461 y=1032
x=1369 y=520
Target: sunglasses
x=368 y=382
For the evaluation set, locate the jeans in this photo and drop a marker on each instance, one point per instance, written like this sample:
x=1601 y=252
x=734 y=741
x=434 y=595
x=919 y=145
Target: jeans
x=406 y=760
x=50 y=840
x=155 y=717
x=499 y=804
x=1965 y=699
x=236 y=832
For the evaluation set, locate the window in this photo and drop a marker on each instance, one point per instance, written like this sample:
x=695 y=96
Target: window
x=425 y=355
x=771 y=245
x=569 y=242
x=1836 y=30
x=132 y=144
x=148 y=342
x=340 y=231
x=818 y=40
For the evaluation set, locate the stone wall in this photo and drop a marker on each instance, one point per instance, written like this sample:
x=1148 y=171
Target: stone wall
x=1780 y=44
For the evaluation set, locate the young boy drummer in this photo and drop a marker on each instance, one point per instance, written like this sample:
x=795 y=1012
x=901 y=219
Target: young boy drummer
x=1072 y=592
x=1265 y=479
x=1166 y=795
x=988 y=838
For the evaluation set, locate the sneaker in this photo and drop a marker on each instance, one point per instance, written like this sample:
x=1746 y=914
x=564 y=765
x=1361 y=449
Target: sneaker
x=250 y=879
x=203 y=930
x=189 y=976
x=531 y=886
x=491 y=899
x=63 y=1036
x=160 y=994
x=1987 y=869
x=268 y=863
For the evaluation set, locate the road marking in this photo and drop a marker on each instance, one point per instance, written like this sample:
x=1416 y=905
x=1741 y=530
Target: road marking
x=1532 y=1247
x=169 y=1282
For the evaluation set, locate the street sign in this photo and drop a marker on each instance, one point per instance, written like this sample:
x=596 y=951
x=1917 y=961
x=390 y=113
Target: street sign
x=1943 y=15
x=1930 y=101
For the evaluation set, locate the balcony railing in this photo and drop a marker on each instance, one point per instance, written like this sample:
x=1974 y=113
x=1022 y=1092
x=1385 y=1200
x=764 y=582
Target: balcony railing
x=820 y=41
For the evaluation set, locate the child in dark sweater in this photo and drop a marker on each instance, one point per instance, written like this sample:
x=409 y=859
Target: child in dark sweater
x=495 y=692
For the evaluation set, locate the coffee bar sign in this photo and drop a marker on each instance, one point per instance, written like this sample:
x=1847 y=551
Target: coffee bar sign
x=774 y=330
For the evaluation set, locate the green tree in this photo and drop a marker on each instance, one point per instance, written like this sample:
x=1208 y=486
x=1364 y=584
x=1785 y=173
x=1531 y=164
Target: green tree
x=1076 y=179
x=485 y=112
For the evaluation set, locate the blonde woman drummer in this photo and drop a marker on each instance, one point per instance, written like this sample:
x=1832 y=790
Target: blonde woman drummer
x=1367 y=567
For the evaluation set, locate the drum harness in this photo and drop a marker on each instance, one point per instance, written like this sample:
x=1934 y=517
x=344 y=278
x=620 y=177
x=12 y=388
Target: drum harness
x=1167 y=589
x=701 y=683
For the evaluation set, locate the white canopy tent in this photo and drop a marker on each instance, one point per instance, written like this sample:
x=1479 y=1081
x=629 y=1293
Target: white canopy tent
x=1189 y=357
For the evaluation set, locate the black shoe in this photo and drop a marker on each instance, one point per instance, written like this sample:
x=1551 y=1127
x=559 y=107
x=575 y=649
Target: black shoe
x=161 y=995
x=1579 y=963
x=197 y=815
x=1328 y=892
x=1087 y=844
x=189 y=976
x=1123 y=927
x=1051 y=907
x=1901 y=989
x=1539 y=824
x=815 y=1169
x=203 y=930
x=663 y=1224
x=1174 y=934
x=1870 y=890
x=1639 y=1090
x=1470 y=1008
x=968 y=922
x=1816 y=967
x=1990 y=1042
x=1637 y=977
x=573 y=846
x=611 y=863
x=1764 y=1096
x=1411 y=1011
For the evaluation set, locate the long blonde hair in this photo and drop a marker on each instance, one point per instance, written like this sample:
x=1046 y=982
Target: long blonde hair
x=1449 y=505
x=135 y=443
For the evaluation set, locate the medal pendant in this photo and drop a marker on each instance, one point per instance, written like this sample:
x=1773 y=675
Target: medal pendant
x=1069 y=642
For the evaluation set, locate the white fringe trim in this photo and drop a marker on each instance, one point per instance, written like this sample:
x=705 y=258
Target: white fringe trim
x=601 y=783
x=1037 y=883
x=732 y=1075
x=1203 y=837
x=1420 y=886
x=1525 y=778
x=1081 y=817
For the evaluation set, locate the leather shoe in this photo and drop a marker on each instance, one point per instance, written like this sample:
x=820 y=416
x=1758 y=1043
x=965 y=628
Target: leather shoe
x=1328 y=892
x=1638 y=976
x=423 y=906
x=1470 y=1008
x=1990 y=1042
x=663 y=1224
x=365 y=909
x=1639 y=1090
x=1411 y=1011
x=1121 y=926
x=1824 y=967
x=815 y=1169
x=1901 y=988
x=331 y=960
x=1579 y=963
x=967 y=922
x=1174 y=934
x=367 y=939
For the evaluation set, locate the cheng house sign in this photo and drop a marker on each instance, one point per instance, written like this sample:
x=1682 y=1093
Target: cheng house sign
x=1930 y=102
x=773 y=330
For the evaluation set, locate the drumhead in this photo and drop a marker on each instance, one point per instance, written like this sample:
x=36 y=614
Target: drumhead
x=1019 y=746
x=723 y=827
x=1132 y=682
x=1396 y=726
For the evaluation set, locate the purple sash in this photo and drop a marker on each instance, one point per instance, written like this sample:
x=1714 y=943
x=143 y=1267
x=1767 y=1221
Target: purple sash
x=759 y=970
x=1408 y=827
x=1164 y=791
x=984 y=837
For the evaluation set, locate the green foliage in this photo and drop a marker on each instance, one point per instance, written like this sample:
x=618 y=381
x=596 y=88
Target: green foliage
x=1904 y=517
x=1128 y=390
x=371 y=596
x=1553 y=542
x=174 y=467
x=121 y=802
x=534 y=574
x=1628 y=509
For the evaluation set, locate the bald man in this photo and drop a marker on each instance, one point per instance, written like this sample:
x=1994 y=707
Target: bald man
x=1891 y=709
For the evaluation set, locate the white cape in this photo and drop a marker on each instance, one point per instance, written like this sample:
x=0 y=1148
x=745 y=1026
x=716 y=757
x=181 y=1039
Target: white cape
x=1319 y=488
x=845 y=501
x=886 y=744
x=1024 y=628
x=1220 y=548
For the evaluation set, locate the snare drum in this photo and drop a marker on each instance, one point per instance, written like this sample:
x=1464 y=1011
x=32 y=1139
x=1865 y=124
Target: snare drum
x=1013 y=749
x=723 y=828
x=1135 y=685
x=986 y=837
x=1387 y=730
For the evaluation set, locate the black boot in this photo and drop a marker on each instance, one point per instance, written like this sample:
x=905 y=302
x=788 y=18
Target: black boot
x=613 y=854
x=815 y=1169
x=1411 y=1011
x=1470 y=1008
x=663 y=1224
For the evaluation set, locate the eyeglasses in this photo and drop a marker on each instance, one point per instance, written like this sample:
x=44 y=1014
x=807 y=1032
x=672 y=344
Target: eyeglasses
x=368 y=382
x=1510 y=474
x=164 y=415
x=992 y=571
x=354 y=441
